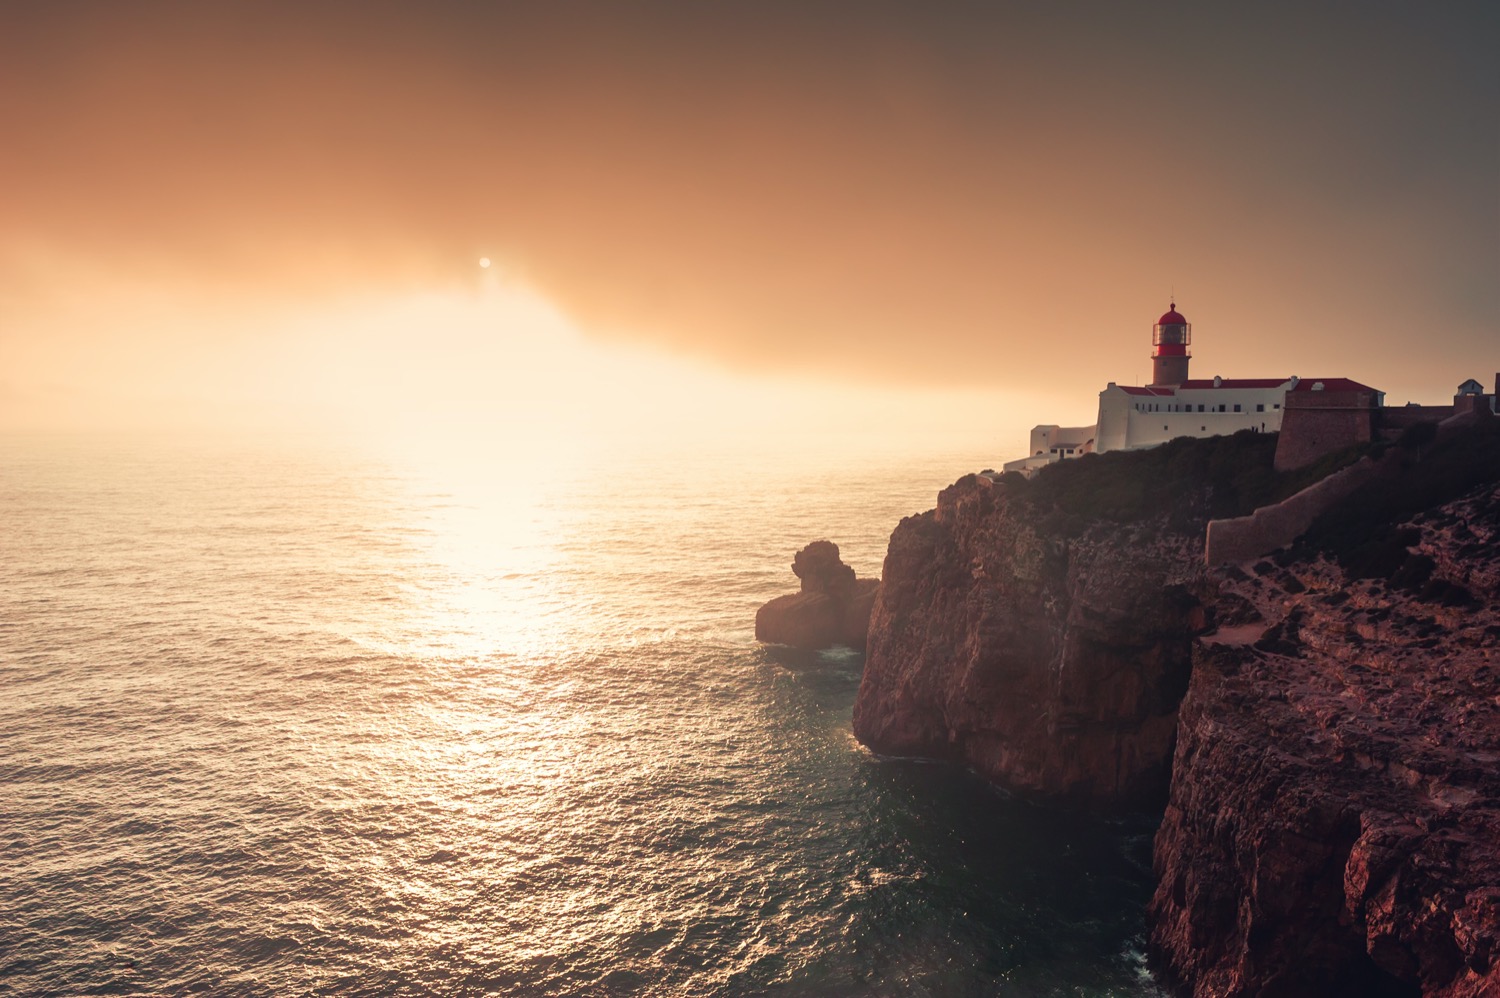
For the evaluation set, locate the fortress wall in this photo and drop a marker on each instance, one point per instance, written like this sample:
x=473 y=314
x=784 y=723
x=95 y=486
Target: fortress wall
x=1277 y=525
x=1480 y=405
x=1242 y=538
x=1392 y=421
x=1318 y=423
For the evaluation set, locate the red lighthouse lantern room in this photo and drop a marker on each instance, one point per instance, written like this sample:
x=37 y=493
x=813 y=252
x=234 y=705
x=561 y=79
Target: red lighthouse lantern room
x=1170 y=338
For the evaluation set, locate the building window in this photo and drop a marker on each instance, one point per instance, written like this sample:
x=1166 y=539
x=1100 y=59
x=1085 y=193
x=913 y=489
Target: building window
x=1276 y=405
x=1260 y=407
x=1236 y=407
x=1164 y=426
x=1221 y=407
x=1200 y=408
x=1203 y=429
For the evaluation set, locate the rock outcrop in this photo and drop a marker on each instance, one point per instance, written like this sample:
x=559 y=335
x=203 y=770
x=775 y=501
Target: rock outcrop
x=1334 y=821
x=833 y=607
x=1328 y=717
x=1053 y=665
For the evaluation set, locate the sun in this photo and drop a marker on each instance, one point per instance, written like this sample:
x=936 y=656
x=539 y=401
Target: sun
x=484 y=262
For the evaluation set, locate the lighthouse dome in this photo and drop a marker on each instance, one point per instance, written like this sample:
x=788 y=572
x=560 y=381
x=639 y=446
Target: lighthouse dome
x=1172 y=317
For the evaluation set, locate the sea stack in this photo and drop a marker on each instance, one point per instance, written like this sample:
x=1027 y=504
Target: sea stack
x=832 y=608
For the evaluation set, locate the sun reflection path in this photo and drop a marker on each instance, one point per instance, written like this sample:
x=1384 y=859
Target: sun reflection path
x=482 y=582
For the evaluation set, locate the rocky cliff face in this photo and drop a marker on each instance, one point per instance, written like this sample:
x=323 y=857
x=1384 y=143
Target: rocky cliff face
x=1051 y=664
x=1334 y=821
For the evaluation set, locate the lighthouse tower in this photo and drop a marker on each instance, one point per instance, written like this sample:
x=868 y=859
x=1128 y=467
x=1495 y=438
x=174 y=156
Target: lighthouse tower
x=1169 y=359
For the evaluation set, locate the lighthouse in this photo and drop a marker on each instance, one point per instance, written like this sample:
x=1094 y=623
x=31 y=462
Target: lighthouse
x=1322 y=414
x=1169 y=359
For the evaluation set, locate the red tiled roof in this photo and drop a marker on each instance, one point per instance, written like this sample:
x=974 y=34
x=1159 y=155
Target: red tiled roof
x=1236 y=383
x=1332 y=385
x=1305 y=385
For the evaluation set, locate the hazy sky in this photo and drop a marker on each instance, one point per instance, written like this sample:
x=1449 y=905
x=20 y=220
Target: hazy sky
x=989 y=196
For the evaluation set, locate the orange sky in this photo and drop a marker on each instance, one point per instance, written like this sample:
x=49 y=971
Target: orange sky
x=887 y=194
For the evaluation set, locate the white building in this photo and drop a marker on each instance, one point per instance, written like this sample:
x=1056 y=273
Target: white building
x=1131 y=418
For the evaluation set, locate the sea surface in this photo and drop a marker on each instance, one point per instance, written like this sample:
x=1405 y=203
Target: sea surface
x=283 y=718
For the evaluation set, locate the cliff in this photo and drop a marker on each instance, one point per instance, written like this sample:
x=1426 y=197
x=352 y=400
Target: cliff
x=1051 y=665
x=1323 y=725
x=1334 y=821
x=1041 y=631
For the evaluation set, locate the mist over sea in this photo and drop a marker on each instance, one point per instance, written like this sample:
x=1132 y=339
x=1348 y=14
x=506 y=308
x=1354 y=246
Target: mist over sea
x=300 y=718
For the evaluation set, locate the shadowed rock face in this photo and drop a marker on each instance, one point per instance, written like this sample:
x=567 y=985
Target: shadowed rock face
x=1334 y=822
x=1053 y=666
x=833 y=607
x=1333 y=825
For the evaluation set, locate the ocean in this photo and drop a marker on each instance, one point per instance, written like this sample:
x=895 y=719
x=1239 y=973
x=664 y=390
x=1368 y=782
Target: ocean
x=290 y=717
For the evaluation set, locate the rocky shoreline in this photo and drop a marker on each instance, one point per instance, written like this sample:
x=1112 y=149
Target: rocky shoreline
x=1334 y=821
x=1322 y=726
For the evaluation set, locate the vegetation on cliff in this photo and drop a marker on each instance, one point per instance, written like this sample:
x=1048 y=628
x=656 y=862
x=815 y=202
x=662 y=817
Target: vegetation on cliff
x=1332 y=819
x=1364 y=533
x=1192 y=480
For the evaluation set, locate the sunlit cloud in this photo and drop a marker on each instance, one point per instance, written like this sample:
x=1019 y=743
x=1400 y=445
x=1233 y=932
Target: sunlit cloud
x=993 y=199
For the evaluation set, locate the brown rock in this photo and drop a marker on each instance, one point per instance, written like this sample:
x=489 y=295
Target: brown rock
x=833 y=607
x=1051 y=665
x=1334 y=821
x=1333 y=826
x=822 y=571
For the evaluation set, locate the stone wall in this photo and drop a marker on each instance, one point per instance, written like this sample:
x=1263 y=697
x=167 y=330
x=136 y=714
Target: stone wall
x=1480 y=405
x=1270 y=527
x=1318 y=423
x=1394 y=420
x=1277 y=525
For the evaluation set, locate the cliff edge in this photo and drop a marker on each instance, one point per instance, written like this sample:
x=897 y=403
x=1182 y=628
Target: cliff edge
x=1334 y=821
x=1323 y=724
x=1051 y=665
x=1041 y=630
